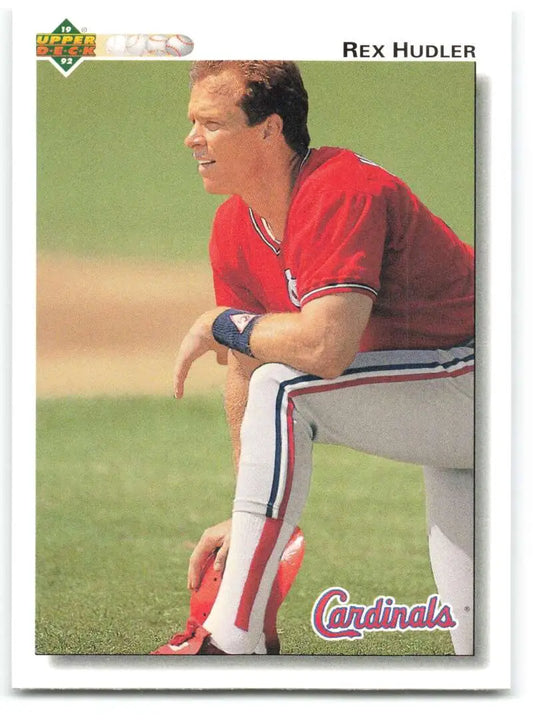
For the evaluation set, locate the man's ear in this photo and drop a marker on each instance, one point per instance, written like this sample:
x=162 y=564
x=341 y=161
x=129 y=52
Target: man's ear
x=273 y=126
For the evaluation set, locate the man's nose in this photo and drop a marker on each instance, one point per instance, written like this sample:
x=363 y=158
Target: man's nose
x=193 y=138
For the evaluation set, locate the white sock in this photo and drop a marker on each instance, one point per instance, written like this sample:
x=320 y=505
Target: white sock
x=256 y=539
x=450 y=511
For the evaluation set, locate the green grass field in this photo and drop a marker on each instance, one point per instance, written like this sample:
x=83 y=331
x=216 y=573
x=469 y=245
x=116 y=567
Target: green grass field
x=126 y=486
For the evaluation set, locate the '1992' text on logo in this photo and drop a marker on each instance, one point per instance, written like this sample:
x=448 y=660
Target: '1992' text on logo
x=333 y=618
x=66 y=45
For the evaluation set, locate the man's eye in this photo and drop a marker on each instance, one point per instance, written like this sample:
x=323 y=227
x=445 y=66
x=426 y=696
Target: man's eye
x=212 y=125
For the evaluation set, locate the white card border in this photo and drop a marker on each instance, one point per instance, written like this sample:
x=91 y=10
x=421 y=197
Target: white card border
x=41 y=672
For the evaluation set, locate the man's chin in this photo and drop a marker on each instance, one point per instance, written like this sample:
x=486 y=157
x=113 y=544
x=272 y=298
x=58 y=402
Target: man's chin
x=211 y=187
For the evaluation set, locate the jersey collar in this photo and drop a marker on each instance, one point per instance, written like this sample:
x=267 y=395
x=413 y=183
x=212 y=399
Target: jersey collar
x=262 y=227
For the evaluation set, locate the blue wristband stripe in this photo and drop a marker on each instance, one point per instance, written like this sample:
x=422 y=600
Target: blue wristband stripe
x=233 y=328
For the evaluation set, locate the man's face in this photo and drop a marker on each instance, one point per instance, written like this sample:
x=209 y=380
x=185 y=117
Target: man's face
x=228 y=151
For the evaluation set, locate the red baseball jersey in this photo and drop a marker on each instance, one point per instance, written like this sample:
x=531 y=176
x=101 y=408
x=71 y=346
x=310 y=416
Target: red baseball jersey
x=351 y=226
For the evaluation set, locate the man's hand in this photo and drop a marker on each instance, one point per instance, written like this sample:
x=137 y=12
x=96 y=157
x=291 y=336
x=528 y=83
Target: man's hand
x=216 y=537
x=197 y=342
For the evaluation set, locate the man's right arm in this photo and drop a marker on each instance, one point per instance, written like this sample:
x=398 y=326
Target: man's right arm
x=240 y=369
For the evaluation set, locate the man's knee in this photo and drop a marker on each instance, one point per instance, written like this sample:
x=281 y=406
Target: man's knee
x=272 y=372
x=265 y=384
x=267 y=380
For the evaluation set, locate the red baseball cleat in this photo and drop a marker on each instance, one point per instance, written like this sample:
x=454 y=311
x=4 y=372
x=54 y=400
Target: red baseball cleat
x=193 y=641
x=203 y=598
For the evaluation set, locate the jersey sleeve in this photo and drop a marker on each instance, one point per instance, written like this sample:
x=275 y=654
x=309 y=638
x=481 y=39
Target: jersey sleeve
x=338 y=239
x=229 y=270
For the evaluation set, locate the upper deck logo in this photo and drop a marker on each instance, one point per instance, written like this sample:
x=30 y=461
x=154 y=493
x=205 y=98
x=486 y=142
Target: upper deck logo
x=66 y=45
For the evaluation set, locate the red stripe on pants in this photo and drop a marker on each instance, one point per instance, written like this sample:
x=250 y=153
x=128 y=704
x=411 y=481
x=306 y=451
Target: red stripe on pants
x=381 y=379
x=262 y=553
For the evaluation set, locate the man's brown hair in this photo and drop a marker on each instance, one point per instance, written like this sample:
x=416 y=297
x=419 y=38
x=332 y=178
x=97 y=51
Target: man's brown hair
x=271 y=87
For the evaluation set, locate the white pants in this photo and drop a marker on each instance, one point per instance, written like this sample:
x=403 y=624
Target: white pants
x=414 y=406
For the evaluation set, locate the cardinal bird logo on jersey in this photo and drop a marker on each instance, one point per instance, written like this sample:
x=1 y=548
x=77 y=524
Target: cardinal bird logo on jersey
x=291 y=288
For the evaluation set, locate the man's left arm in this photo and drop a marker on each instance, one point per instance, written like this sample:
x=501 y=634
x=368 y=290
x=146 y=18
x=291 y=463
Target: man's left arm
x=321 y=339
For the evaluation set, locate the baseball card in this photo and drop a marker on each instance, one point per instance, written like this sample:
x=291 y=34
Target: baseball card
x=256 y=353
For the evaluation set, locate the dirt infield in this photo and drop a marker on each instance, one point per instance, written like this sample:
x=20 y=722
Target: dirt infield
x=113 y=327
